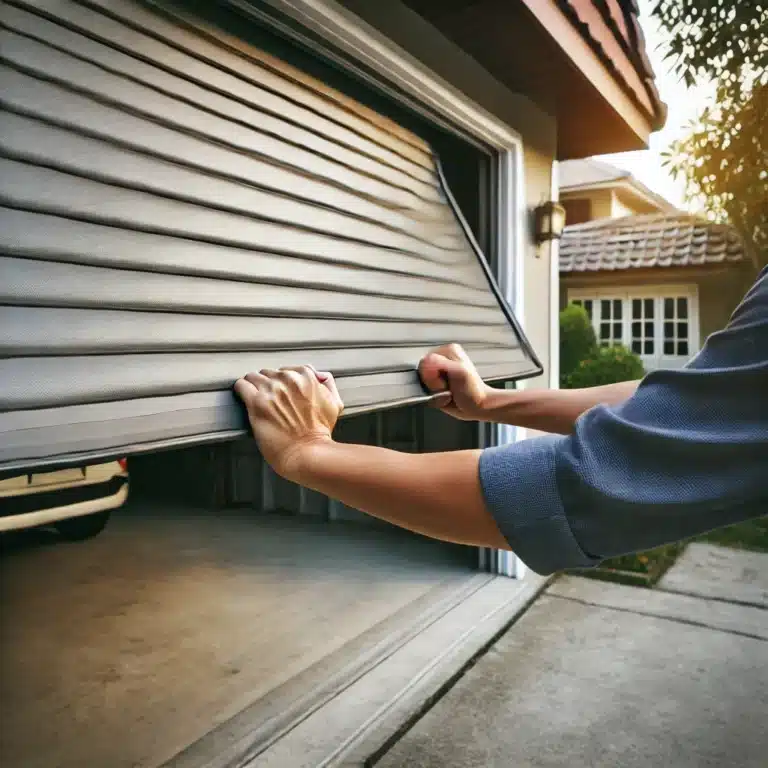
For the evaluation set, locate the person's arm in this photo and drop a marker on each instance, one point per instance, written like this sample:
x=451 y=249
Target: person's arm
x=686 y=453
x=449 y=369
x=437 y=494
x=551 y=410
x=293 y=412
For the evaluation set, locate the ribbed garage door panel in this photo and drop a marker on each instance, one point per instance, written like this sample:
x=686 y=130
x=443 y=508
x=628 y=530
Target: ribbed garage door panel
x=177 y=208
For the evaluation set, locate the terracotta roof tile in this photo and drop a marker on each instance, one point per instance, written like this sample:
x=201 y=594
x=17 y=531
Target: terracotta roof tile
x=655 y=240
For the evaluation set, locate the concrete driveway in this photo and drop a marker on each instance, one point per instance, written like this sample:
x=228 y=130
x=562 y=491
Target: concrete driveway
x=598 y=674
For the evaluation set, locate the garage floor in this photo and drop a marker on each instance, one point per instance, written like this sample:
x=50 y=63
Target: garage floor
x=124 y=650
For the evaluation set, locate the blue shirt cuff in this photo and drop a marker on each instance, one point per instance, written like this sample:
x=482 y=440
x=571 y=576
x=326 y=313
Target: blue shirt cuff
x=519 y=482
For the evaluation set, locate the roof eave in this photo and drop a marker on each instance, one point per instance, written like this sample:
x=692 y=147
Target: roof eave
x=640 y=107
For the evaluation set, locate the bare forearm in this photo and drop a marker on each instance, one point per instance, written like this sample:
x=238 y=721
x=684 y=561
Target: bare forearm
x=435 y=494
x=553 y=410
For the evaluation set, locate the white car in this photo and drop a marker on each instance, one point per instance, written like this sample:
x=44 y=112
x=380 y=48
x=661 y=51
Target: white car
x=77 y=502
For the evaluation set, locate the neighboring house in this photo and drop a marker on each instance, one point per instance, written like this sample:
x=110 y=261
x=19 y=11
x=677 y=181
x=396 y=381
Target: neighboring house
x=192 y=190
x=651 y=277
x=591 y=189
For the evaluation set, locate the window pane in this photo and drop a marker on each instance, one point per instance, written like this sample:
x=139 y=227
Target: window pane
x=682 y=309
x=669 y=309
x=637 y=330
x=682 y=330
x=669 y=347
x=617 y=309
x=637 y=347
x=637 y=309
x=669 y=330
x=648 y=348
x=605 y=330
x=605 y=309
x=649 y=307
x=649 y=329
x=588 y=307
x=682 y=347
x=577 y=302
x=617 y=332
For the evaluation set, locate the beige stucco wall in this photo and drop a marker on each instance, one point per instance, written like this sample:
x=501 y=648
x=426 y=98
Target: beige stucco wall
x=718 y=296
x=539 y=301
x=601 y=199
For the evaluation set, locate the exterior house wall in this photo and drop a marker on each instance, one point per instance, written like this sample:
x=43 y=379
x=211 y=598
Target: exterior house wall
x=620 y=207
x=717 y=292
x=539 y=299
x=601 y=201
x=719 y=295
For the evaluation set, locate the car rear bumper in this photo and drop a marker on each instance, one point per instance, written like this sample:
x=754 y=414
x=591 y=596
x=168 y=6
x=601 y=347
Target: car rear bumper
x=49 y=506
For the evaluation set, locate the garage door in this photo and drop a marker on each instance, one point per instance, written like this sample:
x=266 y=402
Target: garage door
x=179 y=208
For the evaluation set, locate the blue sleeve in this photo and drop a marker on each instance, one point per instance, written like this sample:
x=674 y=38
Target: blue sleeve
x=688 y=452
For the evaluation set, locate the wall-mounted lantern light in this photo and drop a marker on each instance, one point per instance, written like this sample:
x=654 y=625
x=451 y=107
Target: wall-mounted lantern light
x=549 y=222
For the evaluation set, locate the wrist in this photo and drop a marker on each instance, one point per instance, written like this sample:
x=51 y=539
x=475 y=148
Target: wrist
x=498 y=404
x=299 y=460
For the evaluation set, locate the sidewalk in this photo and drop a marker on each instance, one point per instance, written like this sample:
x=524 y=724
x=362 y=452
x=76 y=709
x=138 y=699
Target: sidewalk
x=597 y=674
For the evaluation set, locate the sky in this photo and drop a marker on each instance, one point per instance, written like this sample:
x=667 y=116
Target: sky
x=683 y=105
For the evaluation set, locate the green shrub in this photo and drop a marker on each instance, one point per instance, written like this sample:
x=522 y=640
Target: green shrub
x=577 y=340
x=607 y=366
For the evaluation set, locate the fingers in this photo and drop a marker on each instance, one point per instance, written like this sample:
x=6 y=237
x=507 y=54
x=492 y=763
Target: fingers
x=244 y=388
x=296 y=377
x=441 y=400
x=452 y=352
x=440 y=373
x=431 y=372
x=329 y=383
x=442 y=366
x=259 y=379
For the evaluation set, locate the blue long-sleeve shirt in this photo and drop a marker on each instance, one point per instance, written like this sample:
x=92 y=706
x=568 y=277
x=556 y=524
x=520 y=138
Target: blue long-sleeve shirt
x=688 y=452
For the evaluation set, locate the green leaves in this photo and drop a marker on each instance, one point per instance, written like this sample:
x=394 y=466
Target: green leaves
x=724 y=163
x=724 y=157
x=577 y=339
x=607 y=365
x=708 y=38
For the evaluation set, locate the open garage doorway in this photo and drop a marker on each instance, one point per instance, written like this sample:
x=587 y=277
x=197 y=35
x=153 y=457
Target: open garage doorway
x=217 y=608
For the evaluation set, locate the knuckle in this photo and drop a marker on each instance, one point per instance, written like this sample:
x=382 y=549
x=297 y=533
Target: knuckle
x=293 y=379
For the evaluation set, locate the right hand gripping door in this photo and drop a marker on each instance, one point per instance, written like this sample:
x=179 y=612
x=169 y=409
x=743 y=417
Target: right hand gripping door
x=178 y=208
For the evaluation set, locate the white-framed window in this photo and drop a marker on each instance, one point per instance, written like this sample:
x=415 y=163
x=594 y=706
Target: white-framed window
x=660 y=324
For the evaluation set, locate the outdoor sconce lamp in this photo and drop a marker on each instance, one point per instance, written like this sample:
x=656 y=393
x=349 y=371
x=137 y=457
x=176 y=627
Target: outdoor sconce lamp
x=549 y=222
